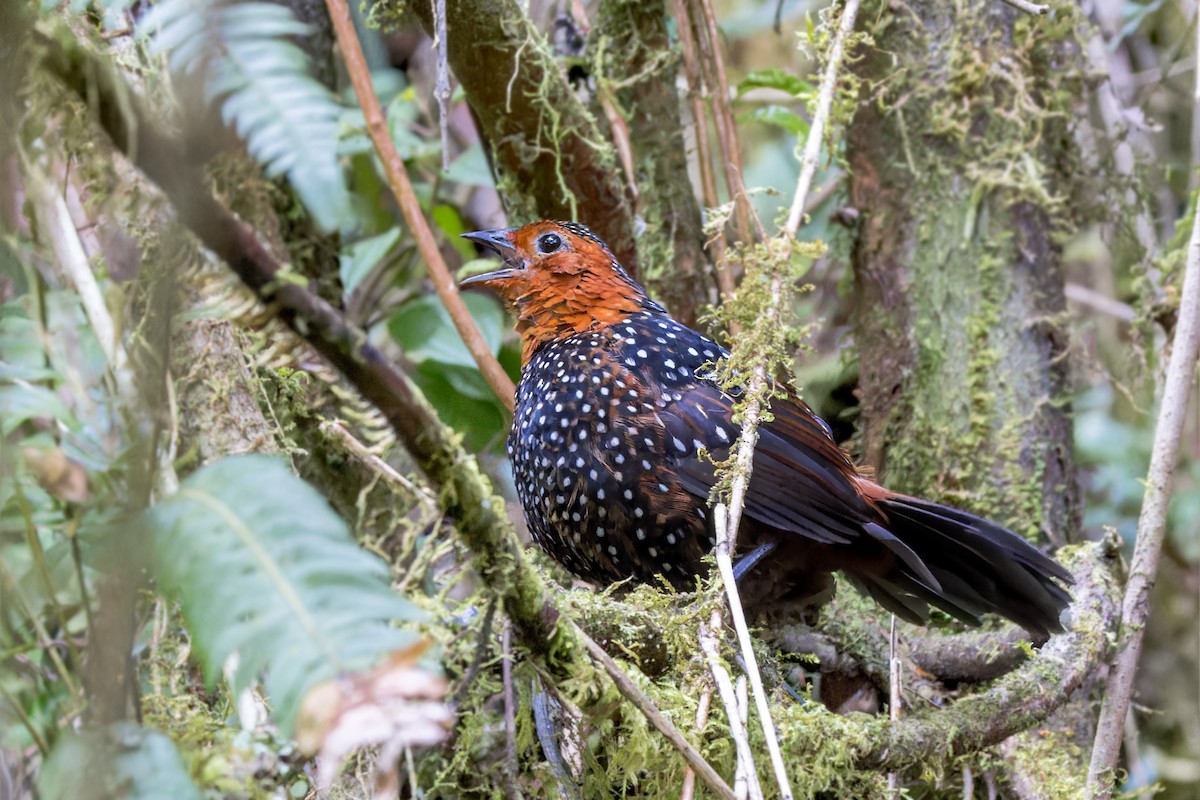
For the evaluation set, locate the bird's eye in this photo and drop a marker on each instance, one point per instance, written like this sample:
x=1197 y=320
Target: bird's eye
x=549 y=242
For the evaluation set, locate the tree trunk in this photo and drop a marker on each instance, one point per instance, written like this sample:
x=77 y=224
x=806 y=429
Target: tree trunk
x=673 y=264
x=958 y=163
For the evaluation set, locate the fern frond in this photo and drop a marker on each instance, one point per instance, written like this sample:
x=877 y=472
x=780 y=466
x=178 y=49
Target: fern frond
x=261 y=80
x=265 y=569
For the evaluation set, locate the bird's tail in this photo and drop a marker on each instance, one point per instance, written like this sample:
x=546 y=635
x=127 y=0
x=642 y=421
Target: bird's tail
x=977 y=567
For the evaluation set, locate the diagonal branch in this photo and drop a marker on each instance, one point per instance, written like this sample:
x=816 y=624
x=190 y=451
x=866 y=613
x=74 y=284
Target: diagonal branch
x=410 y=207
x=1024 y=697
x=1152 y=523
x=466 y=495
x=729 y=519
x=546 y=147
x=656 y=718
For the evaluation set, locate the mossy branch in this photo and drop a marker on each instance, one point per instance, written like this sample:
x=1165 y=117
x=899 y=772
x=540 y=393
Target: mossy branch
x=466 y=495
x=410 y=207
x=1152 y=523
x=1024 y=697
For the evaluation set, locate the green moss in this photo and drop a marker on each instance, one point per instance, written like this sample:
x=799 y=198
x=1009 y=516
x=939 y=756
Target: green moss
x=992 y=120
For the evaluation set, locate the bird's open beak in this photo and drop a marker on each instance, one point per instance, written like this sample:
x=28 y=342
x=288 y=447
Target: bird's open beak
x=498 y=240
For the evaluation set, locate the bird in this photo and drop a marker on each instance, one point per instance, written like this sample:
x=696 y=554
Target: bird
x=618 y=423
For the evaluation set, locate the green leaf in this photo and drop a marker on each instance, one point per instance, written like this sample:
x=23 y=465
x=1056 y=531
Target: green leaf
x=471 y=167
x=121 y=761
x=424 y=329
x=401 y=114
x=358 y=259
x=463 y=401
x=450 y=223
x=1135 y=15
x=774 y=79
x=23 y=401
x=778 y=116
x=265 y=569
x=289 y=121
x=21 y=353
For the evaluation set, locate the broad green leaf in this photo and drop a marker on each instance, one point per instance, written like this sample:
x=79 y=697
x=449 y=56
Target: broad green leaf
x=357 y=260
x=19 y=341
x=778 y=116
x=424 y=329
x=260 y=78
x=464 y=402
x=23 y=401
x=774 y=79
x=265 y=569
x=471 y=167
x=123 y=760
x=450 y=223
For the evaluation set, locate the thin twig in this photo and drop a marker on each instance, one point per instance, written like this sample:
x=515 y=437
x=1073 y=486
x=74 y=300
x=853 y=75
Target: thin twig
x=338 y=430
x=481 y=651
x=377 y=128
x=741 y=783
x=724 y=551
x=706 y=27
x=730 y=518
x=441 y=86
x=808 y=166
x=1096 y=301
x=893 y=778
x=697 y=92
x=727 y=519
x=549 y=723
x=1022 y=698
x=1143 y=569
x=1036 y=9
x=633 y=694
x=812 y=144
x=30 y=728
x=509 y=767
x=725 y=690
x=689 y=777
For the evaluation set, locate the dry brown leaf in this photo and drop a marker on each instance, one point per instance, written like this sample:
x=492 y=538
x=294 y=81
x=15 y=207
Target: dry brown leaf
x=394 y=706
x=57 y=474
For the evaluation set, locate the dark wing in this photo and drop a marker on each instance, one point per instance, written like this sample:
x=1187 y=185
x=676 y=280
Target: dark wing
x=802 y=481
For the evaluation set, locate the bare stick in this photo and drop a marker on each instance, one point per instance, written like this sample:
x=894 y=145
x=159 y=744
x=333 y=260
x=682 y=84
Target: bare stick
x=724 y=551
x=510 y=716
x=697 y=91
x=808 y=166
x=360 y=76
x=812 y=143
x=689 y=778
x=725 y=690
x=741 y=781
x=633 y=694
x=441 y=86
x=1143 y=569
x=727 y=520
x=893 y=779
x=337 y=429
x=706 y=28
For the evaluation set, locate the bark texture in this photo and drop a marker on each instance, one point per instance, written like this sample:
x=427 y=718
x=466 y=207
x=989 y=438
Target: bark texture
x=548 y=154
x=643 y=69
x=958 y=158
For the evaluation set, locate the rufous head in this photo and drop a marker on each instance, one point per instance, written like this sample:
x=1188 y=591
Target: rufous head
x=558 y=279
